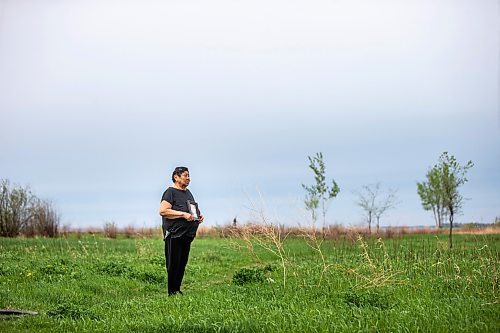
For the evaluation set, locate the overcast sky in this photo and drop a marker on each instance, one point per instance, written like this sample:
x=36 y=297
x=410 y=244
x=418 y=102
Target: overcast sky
x=100 y=100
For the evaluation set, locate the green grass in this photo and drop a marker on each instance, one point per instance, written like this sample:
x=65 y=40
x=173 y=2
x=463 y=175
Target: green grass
x=411 y=284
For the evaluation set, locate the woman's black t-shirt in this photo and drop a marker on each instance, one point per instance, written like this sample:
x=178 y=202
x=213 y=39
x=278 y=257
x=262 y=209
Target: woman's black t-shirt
x=180 y=226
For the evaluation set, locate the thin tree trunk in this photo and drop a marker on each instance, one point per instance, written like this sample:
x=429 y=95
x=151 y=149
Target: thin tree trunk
x=443 y=217
x=323 y=211
x=451 y=228
x=435 y=211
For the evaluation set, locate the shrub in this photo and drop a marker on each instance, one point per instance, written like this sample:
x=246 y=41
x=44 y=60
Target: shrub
x=129 y=231
x=110 y=230
x=21 y=212
x=44 y=220
x=15 y=203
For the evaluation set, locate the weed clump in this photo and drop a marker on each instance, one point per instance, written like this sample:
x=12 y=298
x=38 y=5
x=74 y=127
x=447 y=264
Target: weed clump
x=148 y=276
x=367 y=298
x=115 y=268
x=70 y=310
x=251 y=275
x=157 y=260
x=125 y=270
x=54 y=269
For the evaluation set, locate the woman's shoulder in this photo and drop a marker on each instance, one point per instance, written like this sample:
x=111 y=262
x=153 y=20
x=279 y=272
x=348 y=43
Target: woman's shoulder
x=189 y=194
x=169 y=193
x=168 y=190
x=175 y=191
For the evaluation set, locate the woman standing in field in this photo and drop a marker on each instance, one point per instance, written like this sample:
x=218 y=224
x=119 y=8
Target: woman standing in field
x=180 y=220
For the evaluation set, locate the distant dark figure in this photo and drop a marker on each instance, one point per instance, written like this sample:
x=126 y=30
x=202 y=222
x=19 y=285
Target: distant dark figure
x=179 y=227
x=234 y=221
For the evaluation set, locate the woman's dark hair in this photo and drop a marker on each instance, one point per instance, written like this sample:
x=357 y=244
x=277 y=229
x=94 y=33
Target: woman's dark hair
x=178 y=171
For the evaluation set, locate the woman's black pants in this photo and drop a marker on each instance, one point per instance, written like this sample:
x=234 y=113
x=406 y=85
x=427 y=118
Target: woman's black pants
x=176 y=255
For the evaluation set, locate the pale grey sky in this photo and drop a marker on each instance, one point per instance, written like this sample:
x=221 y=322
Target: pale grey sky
x=100 y=100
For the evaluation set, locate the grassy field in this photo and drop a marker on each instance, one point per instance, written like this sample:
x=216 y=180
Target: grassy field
x=406 y=284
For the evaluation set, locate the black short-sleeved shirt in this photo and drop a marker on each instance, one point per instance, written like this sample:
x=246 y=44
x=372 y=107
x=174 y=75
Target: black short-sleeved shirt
x=180 y=226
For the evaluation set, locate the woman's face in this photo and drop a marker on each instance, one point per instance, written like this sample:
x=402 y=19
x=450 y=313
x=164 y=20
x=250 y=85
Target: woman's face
x=183 y=180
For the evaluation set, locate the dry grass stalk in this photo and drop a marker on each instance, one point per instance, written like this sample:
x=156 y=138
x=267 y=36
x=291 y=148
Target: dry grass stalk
x=267 y=235
x=379 y=274
x=311 y=237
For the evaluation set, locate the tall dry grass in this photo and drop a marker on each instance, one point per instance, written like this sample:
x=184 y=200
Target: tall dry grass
x=330 y=232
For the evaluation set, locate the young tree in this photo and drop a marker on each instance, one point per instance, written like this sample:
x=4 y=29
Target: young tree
x=366 y=200
x=446 y=177
x=430 y=195
x=312 y=202
x=452 y=177
x=387 y=202
x=374 y=206
x=319 y=193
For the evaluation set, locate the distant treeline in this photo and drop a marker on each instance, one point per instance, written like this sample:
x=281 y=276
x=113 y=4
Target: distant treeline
x=473 y=225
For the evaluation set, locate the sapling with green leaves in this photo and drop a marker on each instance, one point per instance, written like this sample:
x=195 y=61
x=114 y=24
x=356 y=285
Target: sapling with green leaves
x=430 y=195
x=320 y=193
x=448 y=175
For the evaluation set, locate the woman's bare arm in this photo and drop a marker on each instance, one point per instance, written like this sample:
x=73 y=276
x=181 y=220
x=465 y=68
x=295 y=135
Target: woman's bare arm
x=167 y=211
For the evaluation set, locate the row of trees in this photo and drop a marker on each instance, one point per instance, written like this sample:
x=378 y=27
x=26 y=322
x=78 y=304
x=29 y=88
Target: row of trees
x=439 y=193
x=21 y=212
x=371 y=198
